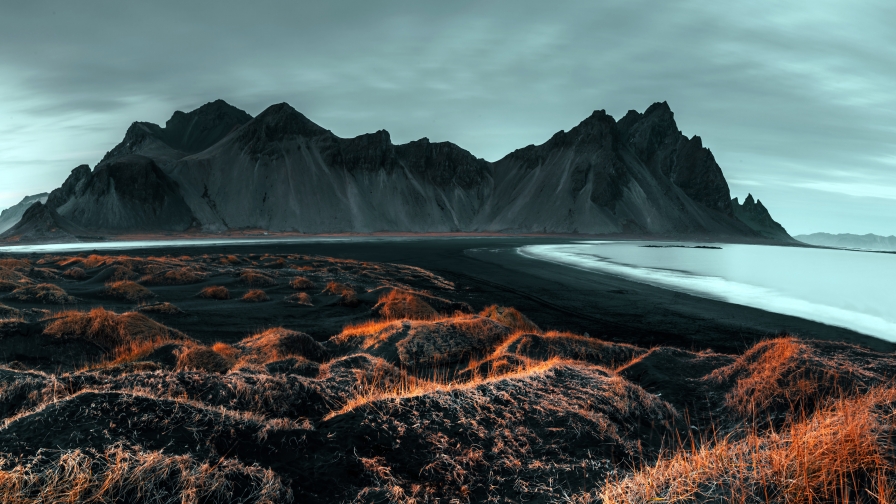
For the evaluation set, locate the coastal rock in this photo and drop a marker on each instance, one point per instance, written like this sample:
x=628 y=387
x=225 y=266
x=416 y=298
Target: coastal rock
x=41 y=223
x=754 y=214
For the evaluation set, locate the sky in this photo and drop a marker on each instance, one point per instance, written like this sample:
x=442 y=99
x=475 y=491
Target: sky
x=796 y=99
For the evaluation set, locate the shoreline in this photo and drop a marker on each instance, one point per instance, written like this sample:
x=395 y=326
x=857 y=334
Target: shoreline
x=564 y=298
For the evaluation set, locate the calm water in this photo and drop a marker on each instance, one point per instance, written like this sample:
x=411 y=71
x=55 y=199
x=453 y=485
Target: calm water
x=856 y=290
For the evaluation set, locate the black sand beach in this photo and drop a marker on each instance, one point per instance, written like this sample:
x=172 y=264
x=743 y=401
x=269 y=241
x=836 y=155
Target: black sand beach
x=488 y=271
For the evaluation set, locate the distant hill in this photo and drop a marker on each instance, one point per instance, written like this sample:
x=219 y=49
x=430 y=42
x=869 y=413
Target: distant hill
x=218 y=168
x=867 y=241
x=12 y=215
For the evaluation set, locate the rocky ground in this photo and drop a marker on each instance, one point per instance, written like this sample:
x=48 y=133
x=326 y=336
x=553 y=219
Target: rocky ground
x=301 y=378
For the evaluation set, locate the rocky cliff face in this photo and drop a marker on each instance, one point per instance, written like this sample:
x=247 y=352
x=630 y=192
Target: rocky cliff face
x=42 y=223
x=12 y=215
x=754 y=214
x=126 y=194
x=217 y=168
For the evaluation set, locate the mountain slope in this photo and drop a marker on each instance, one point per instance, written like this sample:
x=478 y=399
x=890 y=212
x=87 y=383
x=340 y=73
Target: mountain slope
x=217 y=168
x=12 y=215
x=126 y=194
x=42 y=223
x=867 y=241
x=755 y=215
x=183 y=134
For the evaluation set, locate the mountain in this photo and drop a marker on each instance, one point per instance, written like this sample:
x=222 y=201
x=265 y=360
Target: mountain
x=756 y=216
x=218 y=168
x=867 y=241
x=12 y=215
x=42 y=223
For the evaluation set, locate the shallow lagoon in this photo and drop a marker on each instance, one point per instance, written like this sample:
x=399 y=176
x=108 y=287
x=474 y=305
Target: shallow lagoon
x=851 y=289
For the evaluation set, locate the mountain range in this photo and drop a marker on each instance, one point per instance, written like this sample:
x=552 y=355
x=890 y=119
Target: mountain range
x=867 y=241
x=217 y=168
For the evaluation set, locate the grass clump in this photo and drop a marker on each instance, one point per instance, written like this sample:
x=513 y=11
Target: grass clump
x=121 y=336
x=255 y=296
x=217 y=292
x=279 y=343
x=128 y=290
x=164 y=308
x=302 y=298
x=42 y=293
x=510 y=317
x=203 y=358
x=75 y=273
x=401 y=304
x=347 y=294
x=301 y=283
x=254 y=278
x=126 y=474
x=179 y=276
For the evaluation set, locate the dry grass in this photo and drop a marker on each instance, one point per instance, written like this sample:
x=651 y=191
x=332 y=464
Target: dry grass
x=12 y=276
x=114 y=333
x=164 y=308
x=401 y=304
x=301 y=283
x=255 y=296
x=302 y=298
x=510 y=317
x=7 y=312
x=279 y=343
x=217 y=292
x=348 y=294
x=208 y=359
x=42 y=293
x=128 y=290
x=75 y=273
x=179 y=276
x=15 y=264
x=123 y=474
x=254 y=278
x=842 y=453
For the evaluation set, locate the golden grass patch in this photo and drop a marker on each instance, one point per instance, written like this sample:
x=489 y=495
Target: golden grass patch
x=128 y=290
x=302 y=298
x=255 y=278
x=42 y=293
x=255 y=296
x=301 y=283
x=401 y=304
x=510 y=317
x=217 y=292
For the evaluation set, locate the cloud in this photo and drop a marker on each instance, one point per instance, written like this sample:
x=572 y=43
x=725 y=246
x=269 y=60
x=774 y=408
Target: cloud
x=784 y=93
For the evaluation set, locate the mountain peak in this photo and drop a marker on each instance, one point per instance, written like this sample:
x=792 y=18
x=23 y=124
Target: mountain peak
x=279 y=121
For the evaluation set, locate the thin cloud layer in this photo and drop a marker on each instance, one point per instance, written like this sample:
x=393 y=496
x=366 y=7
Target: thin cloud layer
x=794 y=99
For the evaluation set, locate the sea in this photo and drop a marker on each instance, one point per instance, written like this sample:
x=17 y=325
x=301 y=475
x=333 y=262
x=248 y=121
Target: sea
x=845 y=288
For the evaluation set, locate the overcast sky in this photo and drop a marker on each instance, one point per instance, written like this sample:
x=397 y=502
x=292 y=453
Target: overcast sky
x=796 y=99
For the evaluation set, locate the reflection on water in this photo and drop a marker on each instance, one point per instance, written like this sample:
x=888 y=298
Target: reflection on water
x=837 y=287
x=199 y=242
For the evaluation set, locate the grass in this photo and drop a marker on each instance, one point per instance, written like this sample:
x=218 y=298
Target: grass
x=124 y=474
x=115 y=333
x=301 y=283
x=401 y=304
x=178 y=276
x=217 y=292
x=302 y=298
x=842 y=453
x=214 y=359
x=254 y=278
x=347 y=294
x=510 y=317
x=255 y=296
x=164 y=308
x=128 y=290
x=75 y=273
x=42 y=293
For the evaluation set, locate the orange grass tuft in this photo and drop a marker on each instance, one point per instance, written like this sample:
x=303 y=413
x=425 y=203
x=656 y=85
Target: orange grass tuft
x=255 y=296
x=217 y=292
x=42 y=293
x=842 y=453
x=510 y=317
x=202 y=358
x=254 y=278
x=302 y=298
x=401 y=304
x=128 y=291
x=301 y=283
x=75 y=273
